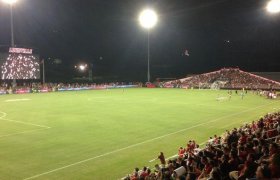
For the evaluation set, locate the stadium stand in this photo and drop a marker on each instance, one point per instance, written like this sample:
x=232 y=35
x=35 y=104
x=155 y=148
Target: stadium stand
x=226 y=78
x=54 y=87
x=249 y=152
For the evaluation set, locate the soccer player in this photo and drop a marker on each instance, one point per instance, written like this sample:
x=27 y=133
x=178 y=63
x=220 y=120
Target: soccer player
x=229 y=95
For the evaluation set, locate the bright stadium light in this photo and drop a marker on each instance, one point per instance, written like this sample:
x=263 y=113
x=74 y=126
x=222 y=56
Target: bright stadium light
x=273 y=6
x=148 y=18
x=11 y=2
x=82 y=67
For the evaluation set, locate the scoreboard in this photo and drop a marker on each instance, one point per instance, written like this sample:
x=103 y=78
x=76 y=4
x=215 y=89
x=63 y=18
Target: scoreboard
x=19 y=63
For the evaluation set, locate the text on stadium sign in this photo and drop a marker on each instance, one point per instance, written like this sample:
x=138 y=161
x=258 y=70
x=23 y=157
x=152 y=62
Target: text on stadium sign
x=20 y=50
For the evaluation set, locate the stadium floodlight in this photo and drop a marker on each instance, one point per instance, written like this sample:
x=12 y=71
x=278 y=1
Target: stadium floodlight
x=85 y=68
x=273 y=6
x=81 y=67
x=148 y=19
x=11 y=2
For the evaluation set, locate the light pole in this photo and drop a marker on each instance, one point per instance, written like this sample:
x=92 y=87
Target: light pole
x=148 y=19
x=11 y=3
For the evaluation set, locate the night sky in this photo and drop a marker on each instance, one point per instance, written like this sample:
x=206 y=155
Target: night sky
x=106 y=33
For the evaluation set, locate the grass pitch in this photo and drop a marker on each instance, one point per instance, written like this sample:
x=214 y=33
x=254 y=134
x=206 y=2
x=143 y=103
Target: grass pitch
x=104 y=134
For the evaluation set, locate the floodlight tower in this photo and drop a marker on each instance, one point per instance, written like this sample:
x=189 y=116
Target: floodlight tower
x=11 y=3
x=148 y=19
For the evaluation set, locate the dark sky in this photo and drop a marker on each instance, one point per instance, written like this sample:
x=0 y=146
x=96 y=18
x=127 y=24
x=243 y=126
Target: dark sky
x=217 y=33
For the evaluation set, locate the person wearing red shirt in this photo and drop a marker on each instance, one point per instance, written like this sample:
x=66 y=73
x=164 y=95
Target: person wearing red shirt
x=181 y=152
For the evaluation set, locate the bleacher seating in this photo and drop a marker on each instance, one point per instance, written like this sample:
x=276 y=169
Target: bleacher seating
x=249 y=152
x=228 y=78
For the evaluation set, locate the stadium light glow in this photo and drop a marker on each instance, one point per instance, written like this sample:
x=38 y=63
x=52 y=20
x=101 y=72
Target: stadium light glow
x=273 y=6
x=81 y=67
x=11 y=2
x=148 y=18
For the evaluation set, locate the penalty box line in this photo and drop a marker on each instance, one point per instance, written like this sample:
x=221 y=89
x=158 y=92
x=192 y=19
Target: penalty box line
x=23 y=132
x=2 y=118
x=140 y=143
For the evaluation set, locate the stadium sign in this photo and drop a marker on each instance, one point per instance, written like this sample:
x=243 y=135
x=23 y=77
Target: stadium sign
x=20 y=50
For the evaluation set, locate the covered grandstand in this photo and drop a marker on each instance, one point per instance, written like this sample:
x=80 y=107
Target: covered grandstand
x=226 y=78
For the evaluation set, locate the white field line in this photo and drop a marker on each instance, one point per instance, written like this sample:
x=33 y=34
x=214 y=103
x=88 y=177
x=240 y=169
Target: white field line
x=222 y=98
x=153 y=160
x=140 y=143
x=20 y=122
x=23 y=132
x=3 y=115
x=227 y=125
x=237 y=123
x=172 y=157
x=16 y=100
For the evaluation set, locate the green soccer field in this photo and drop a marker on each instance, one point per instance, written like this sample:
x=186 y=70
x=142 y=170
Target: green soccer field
x=104 y=134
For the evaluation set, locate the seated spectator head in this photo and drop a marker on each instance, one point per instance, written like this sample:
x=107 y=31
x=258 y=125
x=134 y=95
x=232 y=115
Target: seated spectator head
x=225 y=158
x=191 y=176
x=255 y=142
x=149 y=171
x=200 y=154
x=226 y=150
x=144 y=168
x=166 y=174
x=241 y=148
x=204 y=160
x=233 y=145
x=250 y=157
x=265 y=150
x=273 y=148
x=233 y=154
x=274 y=165
x=157 y=167
x=263 y=172
x=215 y=174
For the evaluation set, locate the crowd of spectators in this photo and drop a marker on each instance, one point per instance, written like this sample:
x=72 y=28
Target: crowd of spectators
x=228 y=78
x=267 y=94
x=52 y=87
x=249 y=152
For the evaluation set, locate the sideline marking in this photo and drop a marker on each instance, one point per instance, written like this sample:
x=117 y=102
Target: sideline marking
x=20 y=122
x=227 y=125
x=222 y=98
x=4 y=115
x=16 y=100
x=23 y=132
x=140 y=143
